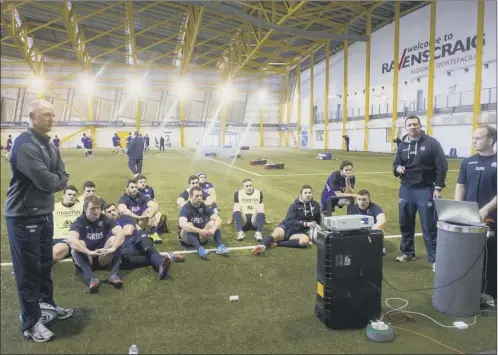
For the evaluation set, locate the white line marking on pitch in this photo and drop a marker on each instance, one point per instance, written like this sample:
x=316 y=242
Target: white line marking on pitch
x=326 y=174
x=213 y=250
x=220 y=162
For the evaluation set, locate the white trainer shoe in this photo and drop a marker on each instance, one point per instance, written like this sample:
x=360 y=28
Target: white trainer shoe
x=39 y=333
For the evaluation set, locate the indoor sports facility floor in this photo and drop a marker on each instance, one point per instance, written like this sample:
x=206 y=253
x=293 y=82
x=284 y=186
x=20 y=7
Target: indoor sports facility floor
x=191 y=312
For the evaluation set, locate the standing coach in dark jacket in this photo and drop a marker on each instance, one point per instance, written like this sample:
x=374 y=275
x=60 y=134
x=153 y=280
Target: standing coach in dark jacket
x=421 y=165
x=37 y=172
x=136 y=154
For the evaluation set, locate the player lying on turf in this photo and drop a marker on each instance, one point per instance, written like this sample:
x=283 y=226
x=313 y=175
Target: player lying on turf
x=365 y=206
x=65 y=213
x=138 y=248
x=89 y=189
x=149 y=192
x=193 y=180
x=198 y=222
x=95 y=240
x=135 y=204
x=292 y=232
x=248 y=210
x=340 y=183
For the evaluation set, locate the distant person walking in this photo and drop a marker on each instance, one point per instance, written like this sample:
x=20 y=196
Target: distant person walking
x=136 y=154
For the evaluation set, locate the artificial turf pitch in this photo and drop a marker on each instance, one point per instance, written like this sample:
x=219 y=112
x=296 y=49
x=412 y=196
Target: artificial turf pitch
x=191 y=312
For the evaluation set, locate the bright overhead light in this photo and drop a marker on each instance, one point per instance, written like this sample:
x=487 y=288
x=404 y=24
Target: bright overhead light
x=135 y=86
x=87 y=84
x=183 y=89
x=262 y=96
x=227 y=92
x=38 y=83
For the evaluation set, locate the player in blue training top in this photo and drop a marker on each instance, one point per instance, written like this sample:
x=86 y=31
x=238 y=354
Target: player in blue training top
x=193 y=180
x=128 y=139
x=148 y=191
x=147 y=143
x=477 y=183
x=57 y=141
x=197 y=223
x=146 y=212
x=87 y=146
x=95 y=242
x=208 y=187
x=340 y=183
x=138 y=248
x=116 y=143
x=8 y=147
x=303 y=214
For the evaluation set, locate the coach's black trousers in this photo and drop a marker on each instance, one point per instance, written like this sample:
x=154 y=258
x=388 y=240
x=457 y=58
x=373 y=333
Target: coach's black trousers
x=30 y=241
x=135 y=165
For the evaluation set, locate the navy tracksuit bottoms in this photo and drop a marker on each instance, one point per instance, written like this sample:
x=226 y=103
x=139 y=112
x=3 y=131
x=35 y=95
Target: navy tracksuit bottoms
x=411 y=200
x=135 y=165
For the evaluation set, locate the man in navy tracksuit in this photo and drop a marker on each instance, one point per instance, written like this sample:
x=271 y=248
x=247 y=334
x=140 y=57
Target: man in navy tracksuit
x=421 y=165
x=136 y=154
x=37 y=172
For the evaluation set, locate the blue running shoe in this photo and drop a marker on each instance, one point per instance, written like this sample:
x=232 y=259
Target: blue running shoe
x=222 y=250
x=202 y=252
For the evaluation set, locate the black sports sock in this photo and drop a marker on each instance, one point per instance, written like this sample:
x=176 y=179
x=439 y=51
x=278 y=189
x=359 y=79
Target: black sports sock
x=294 y=243
x=154 y=257
x=194 y=240
x=217 y=238
x=260 y=220
x=237 y=216
x=116 y=262
x=268 y=240
x=84 y=265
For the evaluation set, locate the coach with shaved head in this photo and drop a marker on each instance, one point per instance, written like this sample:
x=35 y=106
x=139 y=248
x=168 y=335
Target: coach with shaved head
x=37 y=172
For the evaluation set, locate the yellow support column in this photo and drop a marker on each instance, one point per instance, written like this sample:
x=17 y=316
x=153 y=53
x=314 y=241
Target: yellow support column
x=326 y=113
x=478 y=74
x=396 y=73
x=261 y=139
x=289 y=109
x=298 y=78
x=345 y=93
x=366 y=137
x=312 y=81
x=92 y=118
x=430 y=79
x=182 y=119
x=281 y=96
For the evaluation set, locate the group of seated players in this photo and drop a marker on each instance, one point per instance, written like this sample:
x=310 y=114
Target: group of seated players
x=97 y=234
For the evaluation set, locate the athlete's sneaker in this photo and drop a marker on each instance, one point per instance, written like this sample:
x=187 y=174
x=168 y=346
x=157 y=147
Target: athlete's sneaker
x=202 y=252
x=163 y=269
x=115 y=281
x=222 y=250
x=62 y=313
x=156 y=238
x=39 y=333
x=487 y=301
x=162 y=226
x=433 y=265
x=177 y=258
x=259 y=249
x=258 y=236
x=94 y=285
x=384 y=252
x=404 y=258
x=241 y=235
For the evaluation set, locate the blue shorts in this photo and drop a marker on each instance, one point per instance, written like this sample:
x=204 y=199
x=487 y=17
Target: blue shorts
x=289 y=232
x=249 y=226
x=61 y=241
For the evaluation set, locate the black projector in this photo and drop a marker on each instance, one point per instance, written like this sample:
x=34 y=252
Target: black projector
x=349 y=277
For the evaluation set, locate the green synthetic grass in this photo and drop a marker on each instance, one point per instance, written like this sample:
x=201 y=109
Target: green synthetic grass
x=191 y=313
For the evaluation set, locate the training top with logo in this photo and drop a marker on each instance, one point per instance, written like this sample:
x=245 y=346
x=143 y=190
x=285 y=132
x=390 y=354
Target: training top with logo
x=185 y=195
x=248 y=203
x=335 y=182
x=373 y=210
x=149 y=192
x=64 y=216
x=205 y=186
x=478 y=174
x=94 y=234
x=137 y=204
x=198 y=216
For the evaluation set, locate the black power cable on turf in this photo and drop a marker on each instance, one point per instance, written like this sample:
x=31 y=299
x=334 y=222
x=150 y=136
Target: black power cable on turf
x=485 y=248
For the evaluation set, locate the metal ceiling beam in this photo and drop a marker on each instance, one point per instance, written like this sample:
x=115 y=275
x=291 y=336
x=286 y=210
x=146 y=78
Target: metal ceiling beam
x=76 y=34
x=18 y=33
x=191 y=30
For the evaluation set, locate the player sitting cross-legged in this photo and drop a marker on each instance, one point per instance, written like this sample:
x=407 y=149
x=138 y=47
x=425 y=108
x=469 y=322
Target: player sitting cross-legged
x=149 y=192
x=135 y=204
x=193 y=180
x=138 y=248
x=197 y=223
x=292 y=232
x=95 y=240
x=248 y=210
x=65 y=213
x=340 y=183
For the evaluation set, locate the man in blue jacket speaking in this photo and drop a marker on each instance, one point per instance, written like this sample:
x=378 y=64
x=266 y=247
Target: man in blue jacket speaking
x=136 y=154
x=421 y=165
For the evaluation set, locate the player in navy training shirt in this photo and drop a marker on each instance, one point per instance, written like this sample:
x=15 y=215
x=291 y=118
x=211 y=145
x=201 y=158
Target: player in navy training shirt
x=57 y=141
x=193 y=180
x=135 y=204
x=148 y=191
x=95 y=240
x=87 y=146
x=8 y=147
x=339 y=183
x=138 y=248
x=477 y=183
x=116 y=143
x=197 y=222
